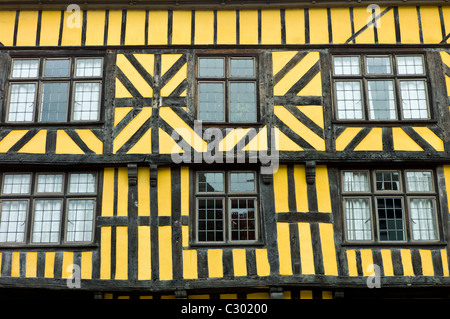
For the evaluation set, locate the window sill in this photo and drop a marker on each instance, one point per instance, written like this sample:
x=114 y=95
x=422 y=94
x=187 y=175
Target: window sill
x=50 y=124
x=393 y=123
x=48 y=246
x=439 y=244
x=227 y=245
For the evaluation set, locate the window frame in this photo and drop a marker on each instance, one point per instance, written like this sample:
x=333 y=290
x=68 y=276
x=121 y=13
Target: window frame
x=40 y=80
x=64 y=197
x=394 y=76
x=405 y=197
x=227 y=79
x=226 y=196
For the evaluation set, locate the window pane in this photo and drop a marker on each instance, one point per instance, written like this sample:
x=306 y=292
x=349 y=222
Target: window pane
x=210 y=219
x=25 y=68
x=82 y=183
x=210 y=182
x=80 y=220
x=410 y=65
x=390 y=219
x=346 y=65
x=378 y=65
x=49 y=183
x=211 y=67
x=21 y=104
x=358 y=220
x=46 y=221
x=86 y=101
x=89 y=67
x=243 y=220
x=387 y=181
x=242 y=67
x=58 y=67
x=356 y=181
x=423 y=221
x=348 y=97
x=242 y=182
x=419 y=181
x=12 y=220
x=211 y=101
x=381 y=100
x=16 y=184
x=414 y=99
x=54 y=102
x=242 y=102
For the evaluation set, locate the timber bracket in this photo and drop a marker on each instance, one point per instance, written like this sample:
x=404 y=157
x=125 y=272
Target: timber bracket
x=153 y=175
x=310 y=172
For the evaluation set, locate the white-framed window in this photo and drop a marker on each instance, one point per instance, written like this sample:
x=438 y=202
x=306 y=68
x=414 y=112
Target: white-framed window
x=43 y=202
x=389 y=205
x=380 y=87
x=227 y=207
x=63 y=89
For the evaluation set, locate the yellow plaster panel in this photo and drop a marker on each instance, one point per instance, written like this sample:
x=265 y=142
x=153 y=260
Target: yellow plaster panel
x=144 y=145
x=114 y=27
x=346 y=137
x=295 y=26
x=280 y=59
x=86 y=265
x=190 y=264
x=403 y=142
x=164 y=192
x=372 y=142
x=318 y=26
x=50 y=24
x=37 y=144
x=226 y=27
x=328 y=249
x=15 y=264
x=215 y=264
x=26 y=32
x=204 y=27
x=165 y=252
x=306 y=250
x=323 y=189
x=31 y=268
x=301 y=195
x=259 y=142
x=248 y=27
x=313 y=88
x=387 y=262
x=120 y=112
x=430 y=137
x=231 y=139
x=143 y=191
x=427 y=262
x=121 y=253
x=444 y=262
x=131 y=128
x=134 y=30
x=166 y=143
x=360 y=16
x=431 y=24
x=340 y=24
x=239 y=262
x=71 y=35
x=409 y=25
x=284 y=249
x=65 y=144
x=157 y=27
x=262 y=262
x=314 y=112
x=386 y=30
x=133 y=75
x=181 y=27
x=284 y=143
x=407 y=263
x=270 y=27
x=91 y=140
x=144 y=253
x=108 y=192
x=94 y=27
x=184 y=177
x=67 y=264
x=122 y=192
x=280 y=187
x=121 y=91
x=12 y=138
x=174 y=81
x=49 y=271
x=7 y=23
x=351 y=262
x=366 y=262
